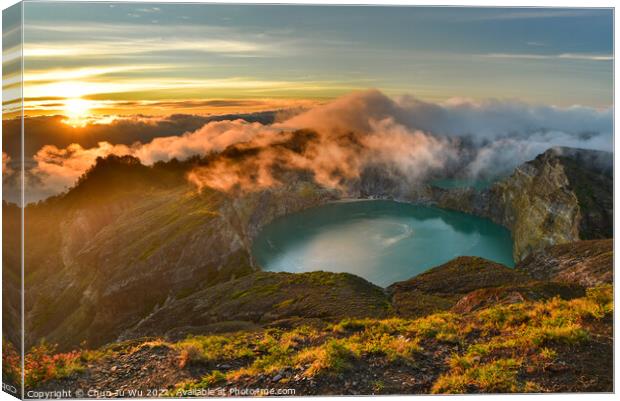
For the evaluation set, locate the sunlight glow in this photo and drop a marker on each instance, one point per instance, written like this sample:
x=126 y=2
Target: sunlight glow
x=77 y=112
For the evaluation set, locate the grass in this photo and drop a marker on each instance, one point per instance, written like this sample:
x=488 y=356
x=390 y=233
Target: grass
x=520 y=334
x=445 y=327
x=333 y=357
x=207 y=349
x=489 y=348
x=499 y=376
x=213 y=378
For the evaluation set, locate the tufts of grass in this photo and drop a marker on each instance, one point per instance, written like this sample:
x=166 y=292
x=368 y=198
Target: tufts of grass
x=499 y=376
x=567 y=334
x=276 y=354
x=394 y=348
x=492 y=346
x=351 y=325
x=445 y=327
x=213 y=378
x=519 y=334
x=333 y=357
x=206 y=349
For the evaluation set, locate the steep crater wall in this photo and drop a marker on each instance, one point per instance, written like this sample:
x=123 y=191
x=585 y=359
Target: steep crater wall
x=561 y=196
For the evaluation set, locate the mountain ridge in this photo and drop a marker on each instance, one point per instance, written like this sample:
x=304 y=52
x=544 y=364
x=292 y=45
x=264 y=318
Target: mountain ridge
x=117 y=249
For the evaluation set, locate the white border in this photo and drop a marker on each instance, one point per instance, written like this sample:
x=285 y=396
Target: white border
x=479 y=3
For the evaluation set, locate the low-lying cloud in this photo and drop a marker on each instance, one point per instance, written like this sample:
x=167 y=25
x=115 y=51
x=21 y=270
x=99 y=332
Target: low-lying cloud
x=334 y=157
x=360 y=130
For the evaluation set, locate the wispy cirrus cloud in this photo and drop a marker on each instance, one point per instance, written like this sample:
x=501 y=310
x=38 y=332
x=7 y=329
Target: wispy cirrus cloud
x=562 y=56
x=139 y=46
x=536 y=13
x=61 y=74
x=76 y=88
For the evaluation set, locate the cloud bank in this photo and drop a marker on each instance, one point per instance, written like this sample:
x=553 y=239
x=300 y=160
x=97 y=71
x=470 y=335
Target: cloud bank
x=361 y=130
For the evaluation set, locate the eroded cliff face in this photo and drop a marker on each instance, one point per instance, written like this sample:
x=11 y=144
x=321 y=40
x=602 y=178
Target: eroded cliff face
x=537 y=205
x=543 y=202
x=105 y=266
x=248 y=213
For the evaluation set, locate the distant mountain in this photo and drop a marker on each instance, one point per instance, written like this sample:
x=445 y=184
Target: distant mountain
x=50 y=130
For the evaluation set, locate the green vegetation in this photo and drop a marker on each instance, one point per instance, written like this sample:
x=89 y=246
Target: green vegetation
x=202 y=349
x=496 y=349
x=527 y=332
x=497 y=343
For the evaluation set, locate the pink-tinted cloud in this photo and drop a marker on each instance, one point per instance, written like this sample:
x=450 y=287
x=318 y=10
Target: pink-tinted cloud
x=364 y=129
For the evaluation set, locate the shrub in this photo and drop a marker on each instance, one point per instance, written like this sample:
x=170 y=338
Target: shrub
x=11 y=363
x=41 y=363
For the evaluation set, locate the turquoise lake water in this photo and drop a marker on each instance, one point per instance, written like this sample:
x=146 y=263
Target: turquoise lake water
x=382 y=241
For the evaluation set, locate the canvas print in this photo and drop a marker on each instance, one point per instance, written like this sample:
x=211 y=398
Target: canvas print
x=287 y=200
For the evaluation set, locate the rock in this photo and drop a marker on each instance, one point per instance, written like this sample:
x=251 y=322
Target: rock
x=533 y=291
x=441 y=287
x=277 y=378
x=587 y=263
x=537 y=205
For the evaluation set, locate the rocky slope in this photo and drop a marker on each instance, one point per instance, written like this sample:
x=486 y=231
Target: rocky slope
x=285 y=300
x=505 y=332
x=584 y=262
x=107 y=265
x=266 y=299
x=441 y=287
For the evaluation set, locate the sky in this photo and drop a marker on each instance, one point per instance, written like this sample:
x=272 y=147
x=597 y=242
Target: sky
x=158 y=81
x=101 y=58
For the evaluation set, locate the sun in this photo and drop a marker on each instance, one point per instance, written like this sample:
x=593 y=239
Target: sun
x=77 y=111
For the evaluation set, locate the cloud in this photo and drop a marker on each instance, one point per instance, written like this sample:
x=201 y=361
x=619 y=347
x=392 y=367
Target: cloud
x=480 y=120
x=86 y=72
x=562 y=56
x=335 y=159
x=58 y=169
x=409 y=138
x=122 y=130
x=415 y=138
x=538 y=13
